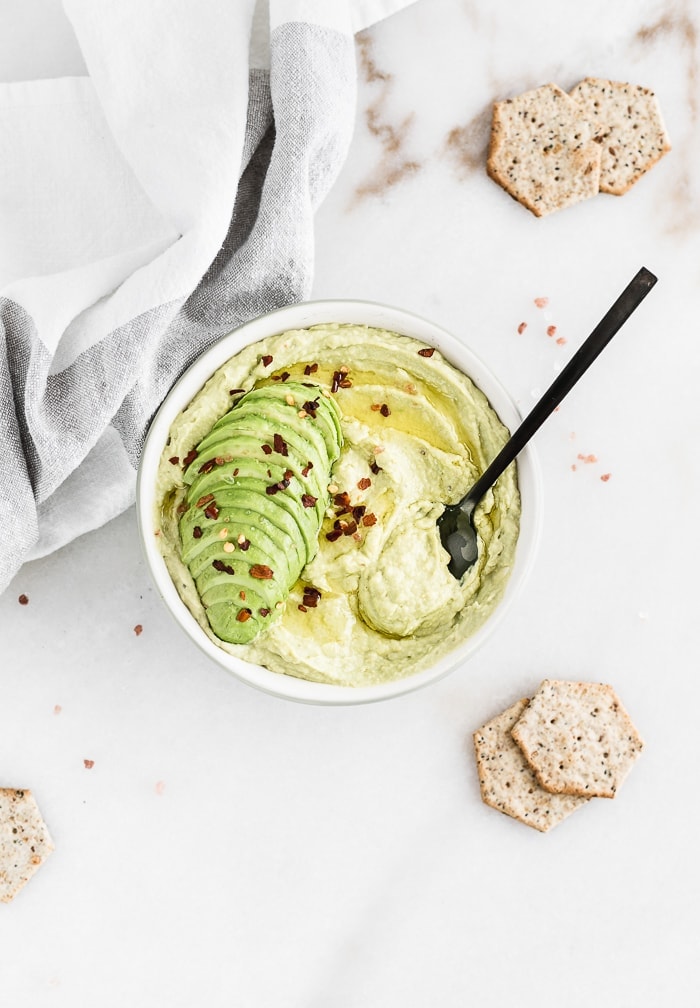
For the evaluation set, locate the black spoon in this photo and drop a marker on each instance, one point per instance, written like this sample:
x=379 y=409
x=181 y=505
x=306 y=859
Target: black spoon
x=455 y=525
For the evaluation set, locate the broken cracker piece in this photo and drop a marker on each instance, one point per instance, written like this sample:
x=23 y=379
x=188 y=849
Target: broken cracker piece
x=24 y=840
x=578 y=738
x=628 y=126
x=542 y=152
x=506 y=780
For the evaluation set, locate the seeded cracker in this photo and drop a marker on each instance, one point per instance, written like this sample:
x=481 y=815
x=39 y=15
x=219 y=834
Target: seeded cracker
x=24 y=841
x=507 y=782
x=627 y=124
x=578 y=738
x=542 y=152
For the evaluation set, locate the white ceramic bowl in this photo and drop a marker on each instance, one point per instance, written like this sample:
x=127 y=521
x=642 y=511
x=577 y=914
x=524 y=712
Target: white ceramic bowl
x=301 y=316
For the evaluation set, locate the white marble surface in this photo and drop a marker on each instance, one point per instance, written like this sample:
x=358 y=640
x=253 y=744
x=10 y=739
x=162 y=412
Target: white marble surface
x=228 y=848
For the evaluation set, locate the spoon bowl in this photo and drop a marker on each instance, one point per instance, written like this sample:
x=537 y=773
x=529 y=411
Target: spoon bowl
x=455 y=524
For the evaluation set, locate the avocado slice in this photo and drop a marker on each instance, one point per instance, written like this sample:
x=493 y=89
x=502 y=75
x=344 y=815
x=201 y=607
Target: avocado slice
x=261 y=474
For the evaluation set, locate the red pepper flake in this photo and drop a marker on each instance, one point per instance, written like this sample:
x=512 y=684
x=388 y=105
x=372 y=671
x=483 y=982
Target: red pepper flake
x=244 y=544
x=138 y=629
x=426 y=352
x=271 y=490
x=241 y=595
x=551 y=330
x=311 y=369
x=174 y=459
x=280 y=445
x=211 y=512
x=302 y=608
x=266 y=360
x=307 y=469
x=190 y=457
x=358 y=511
x=605 y=477
x=267 y=449
x=335 y=534
x=364 y=483
x=236 y=472
x=207 y=467
x=311 y=597
x=311 y=406
x=342 y=501
x=369 y=519
x=222 y=567
x=264 y=612
x=244 y=615
x=385 y=411
x=541 y=302
x=335 y=383
x=88 y=764
x=288 y=475
x=282 y=484
x=281 y=377
x=23 y=599
x=349 y=528
x=374 y=468
x=346 y=383
x=375 y=407
x=204 y=500
x=236 y=391
x=308 y=500
x=197 y=532
x=262 y=572
x=521 y=328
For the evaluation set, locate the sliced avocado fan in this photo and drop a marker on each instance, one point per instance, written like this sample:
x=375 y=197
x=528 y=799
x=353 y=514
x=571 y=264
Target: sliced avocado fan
x=257 y=492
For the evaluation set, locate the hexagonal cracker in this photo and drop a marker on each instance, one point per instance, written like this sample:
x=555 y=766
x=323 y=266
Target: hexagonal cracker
x=508 y=784
x=542 y=152
x=578 y=738
x=24 y=840
x=627 y=124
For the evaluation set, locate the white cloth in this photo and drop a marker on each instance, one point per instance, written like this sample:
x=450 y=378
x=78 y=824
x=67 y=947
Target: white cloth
x=145 y=210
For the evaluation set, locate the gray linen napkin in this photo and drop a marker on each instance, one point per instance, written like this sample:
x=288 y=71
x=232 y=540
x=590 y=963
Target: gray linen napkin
x=72 y=437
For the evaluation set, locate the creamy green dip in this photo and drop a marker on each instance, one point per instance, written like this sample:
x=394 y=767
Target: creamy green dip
x=417 y=433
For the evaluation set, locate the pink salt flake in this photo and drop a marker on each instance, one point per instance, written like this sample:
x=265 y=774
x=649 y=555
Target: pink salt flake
x=551 y=330
x=521 y=328
x=605 y=477
x=88 y=764
x=560 y=341
x=541 y=302
x=573 y=467
x=160 y=787
x=57 y=709
x=588 y=459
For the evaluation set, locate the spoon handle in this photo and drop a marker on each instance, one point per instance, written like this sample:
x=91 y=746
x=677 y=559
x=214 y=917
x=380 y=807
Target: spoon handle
x=630 y=299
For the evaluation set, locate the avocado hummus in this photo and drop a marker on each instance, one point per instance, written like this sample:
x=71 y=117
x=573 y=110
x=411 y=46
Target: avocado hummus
x=368 y=597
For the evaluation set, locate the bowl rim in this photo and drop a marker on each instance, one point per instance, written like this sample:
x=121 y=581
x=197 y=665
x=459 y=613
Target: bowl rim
x=301 y=315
